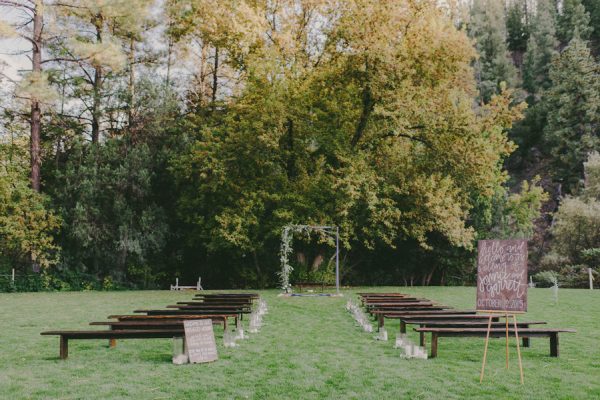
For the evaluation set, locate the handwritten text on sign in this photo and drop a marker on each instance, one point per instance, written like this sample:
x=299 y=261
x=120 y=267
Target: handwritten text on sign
x=200 y=340
x=502 y=275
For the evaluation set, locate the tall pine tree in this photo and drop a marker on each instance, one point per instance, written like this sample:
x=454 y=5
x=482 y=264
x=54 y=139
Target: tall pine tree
x=573 y=110
x=517 y=30
x=494 y=65
x=573 y=17
x=593 y=8
x=541 y=47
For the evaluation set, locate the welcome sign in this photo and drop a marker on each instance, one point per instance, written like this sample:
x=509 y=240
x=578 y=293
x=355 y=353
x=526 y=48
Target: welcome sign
x=200 y=340
x=502 y=275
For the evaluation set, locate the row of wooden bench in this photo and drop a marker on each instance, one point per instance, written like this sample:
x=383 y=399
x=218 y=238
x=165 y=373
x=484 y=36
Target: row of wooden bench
x=166 y=323
x=444 y=321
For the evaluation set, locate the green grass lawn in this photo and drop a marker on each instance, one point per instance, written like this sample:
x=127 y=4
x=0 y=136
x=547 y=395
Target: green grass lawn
x=308 y=348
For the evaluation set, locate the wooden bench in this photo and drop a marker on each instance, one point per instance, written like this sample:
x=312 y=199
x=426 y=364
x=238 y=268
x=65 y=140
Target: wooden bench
x=400 y=304
x=446 y=319
x=464 y=323
x=195 y=311
x=381 y=315
x=253 y=296
x=65 y=336
x=393 y=300
x=228 y=302
x=138 y=317
x=436 y=333
x=210 y=307
x=151 y=324
x=414 y=308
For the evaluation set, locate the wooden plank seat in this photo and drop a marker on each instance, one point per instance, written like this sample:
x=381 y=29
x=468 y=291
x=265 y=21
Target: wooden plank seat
x=370 y=306
x=381 y=315
x=364 y=297
x=209 y=307
x=398 y=310
x=151 y=321
x=447 y=319
x=248 y=302
x=394 y=300
x=138 y=317
x=151 y=324
x=65 y=336
x=436 y=333
x=458 y=323
x=227 y=295
x=239 y=312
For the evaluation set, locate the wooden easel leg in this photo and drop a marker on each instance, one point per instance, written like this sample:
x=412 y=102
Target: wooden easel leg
x=518 y=348
x=506 y=317
x=487 y=340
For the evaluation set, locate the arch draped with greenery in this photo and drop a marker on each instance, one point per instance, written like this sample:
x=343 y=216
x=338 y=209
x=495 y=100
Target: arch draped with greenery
x=287 y=236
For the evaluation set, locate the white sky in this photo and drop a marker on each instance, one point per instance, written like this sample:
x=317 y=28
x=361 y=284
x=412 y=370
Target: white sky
x=13 y=63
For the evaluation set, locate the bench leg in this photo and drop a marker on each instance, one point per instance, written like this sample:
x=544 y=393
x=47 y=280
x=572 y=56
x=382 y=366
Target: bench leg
x=402 y=326
x=224 y=323
x=422 y=339
x=554 y=344
x=64 y=348
x=434 y=345
x=526 y=342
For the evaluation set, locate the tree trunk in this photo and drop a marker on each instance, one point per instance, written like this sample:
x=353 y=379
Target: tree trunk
x=97 y=84
x=367 y=108
x=131 y=85
x=36 y=113
x=169 y=55
x=257 y=267
x=317 y=261
x=215 y=76
x=203 y=75
x=291 y=159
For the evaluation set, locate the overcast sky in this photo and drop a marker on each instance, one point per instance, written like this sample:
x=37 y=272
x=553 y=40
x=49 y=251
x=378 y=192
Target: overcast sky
x=14 y=63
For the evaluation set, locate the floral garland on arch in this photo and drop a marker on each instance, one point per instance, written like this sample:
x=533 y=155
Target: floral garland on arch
x=285 y=250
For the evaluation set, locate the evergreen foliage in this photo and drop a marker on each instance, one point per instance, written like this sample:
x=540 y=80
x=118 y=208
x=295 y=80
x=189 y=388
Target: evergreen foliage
x=380 y=117
x=573 y=21
x=573 y=109
x=541 y=48
x=518 y=30
x=576 y=231
x=494 y=64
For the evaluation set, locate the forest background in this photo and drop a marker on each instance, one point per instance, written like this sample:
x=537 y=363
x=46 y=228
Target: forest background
x=151 y=140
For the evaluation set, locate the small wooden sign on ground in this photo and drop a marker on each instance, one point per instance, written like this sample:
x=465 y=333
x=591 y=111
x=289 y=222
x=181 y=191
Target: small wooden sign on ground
x=200 y=340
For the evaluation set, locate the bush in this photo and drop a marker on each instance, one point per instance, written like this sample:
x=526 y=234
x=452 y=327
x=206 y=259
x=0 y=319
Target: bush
x=546 y=278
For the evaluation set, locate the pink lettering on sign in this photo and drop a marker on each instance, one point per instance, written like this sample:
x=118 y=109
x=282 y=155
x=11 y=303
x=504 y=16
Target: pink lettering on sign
x=502 y=275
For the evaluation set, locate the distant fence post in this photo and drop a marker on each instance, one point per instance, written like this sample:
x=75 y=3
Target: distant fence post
x=13 y=276
x=591 y=279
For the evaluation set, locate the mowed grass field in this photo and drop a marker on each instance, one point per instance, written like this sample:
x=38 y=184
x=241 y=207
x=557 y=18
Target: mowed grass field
x=308 y=348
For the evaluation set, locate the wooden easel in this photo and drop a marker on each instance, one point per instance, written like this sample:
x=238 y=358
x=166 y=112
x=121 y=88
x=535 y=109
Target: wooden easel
x=506 y=315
